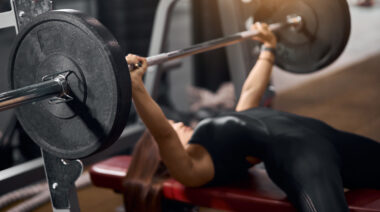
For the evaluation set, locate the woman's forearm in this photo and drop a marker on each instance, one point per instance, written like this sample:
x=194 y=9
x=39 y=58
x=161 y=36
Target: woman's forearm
x=150 y=113
x=148 y=110
x=259 y=76
x=256 y=82
x=179 y=162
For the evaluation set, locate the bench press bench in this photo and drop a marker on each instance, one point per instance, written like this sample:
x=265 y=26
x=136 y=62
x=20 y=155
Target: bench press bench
x=258 y=193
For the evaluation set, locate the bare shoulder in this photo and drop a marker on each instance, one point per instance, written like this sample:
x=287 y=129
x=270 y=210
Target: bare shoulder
x=203 y=165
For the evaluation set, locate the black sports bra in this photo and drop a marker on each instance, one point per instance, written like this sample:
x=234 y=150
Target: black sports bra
x=232 y=137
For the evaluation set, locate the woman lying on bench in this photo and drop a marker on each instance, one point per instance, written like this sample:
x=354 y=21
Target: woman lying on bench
x=311 y=161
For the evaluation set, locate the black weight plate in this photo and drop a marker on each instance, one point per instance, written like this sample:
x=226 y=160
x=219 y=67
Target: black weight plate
x=68 y=40
x=320 y=41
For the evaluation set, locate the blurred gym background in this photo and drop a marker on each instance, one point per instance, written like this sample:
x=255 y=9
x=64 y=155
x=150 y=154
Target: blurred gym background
x=345 y=94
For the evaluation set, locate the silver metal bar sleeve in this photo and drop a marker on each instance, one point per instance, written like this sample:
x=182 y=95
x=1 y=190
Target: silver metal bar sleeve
x=29 y=94
x=209 y=45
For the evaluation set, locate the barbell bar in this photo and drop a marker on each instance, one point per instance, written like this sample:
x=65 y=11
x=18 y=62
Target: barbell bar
x=292 y=20
x=70 y=78
x=54 y=89
x=57 y=87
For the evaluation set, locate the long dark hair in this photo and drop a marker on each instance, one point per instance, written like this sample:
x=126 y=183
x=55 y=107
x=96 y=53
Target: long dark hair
x=146 y=174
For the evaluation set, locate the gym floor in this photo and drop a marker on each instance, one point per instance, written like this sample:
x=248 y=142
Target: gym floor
x=345 y=95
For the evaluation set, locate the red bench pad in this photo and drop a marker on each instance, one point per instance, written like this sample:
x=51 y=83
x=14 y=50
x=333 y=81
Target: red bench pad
x=258 y=193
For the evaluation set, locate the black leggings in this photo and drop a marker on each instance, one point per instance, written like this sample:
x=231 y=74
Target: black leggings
x=313 y=173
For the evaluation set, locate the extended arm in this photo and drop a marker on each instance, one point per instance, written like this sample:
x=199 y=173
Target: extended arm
x=185 y=165
x=259 y=77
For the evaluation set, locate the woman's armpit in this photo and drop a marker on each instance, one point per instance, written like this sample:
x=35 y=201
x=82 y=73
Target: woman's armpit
x=203 y=166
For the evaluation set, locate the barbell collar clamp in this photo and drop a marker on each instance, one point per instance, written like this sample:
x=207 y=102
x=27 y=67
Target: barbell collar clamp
x=60 y=78
x=295 y=21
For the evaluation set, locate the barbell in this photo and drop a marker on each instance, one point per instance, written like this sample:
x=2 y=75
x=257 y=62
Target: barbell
x=71 y=83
